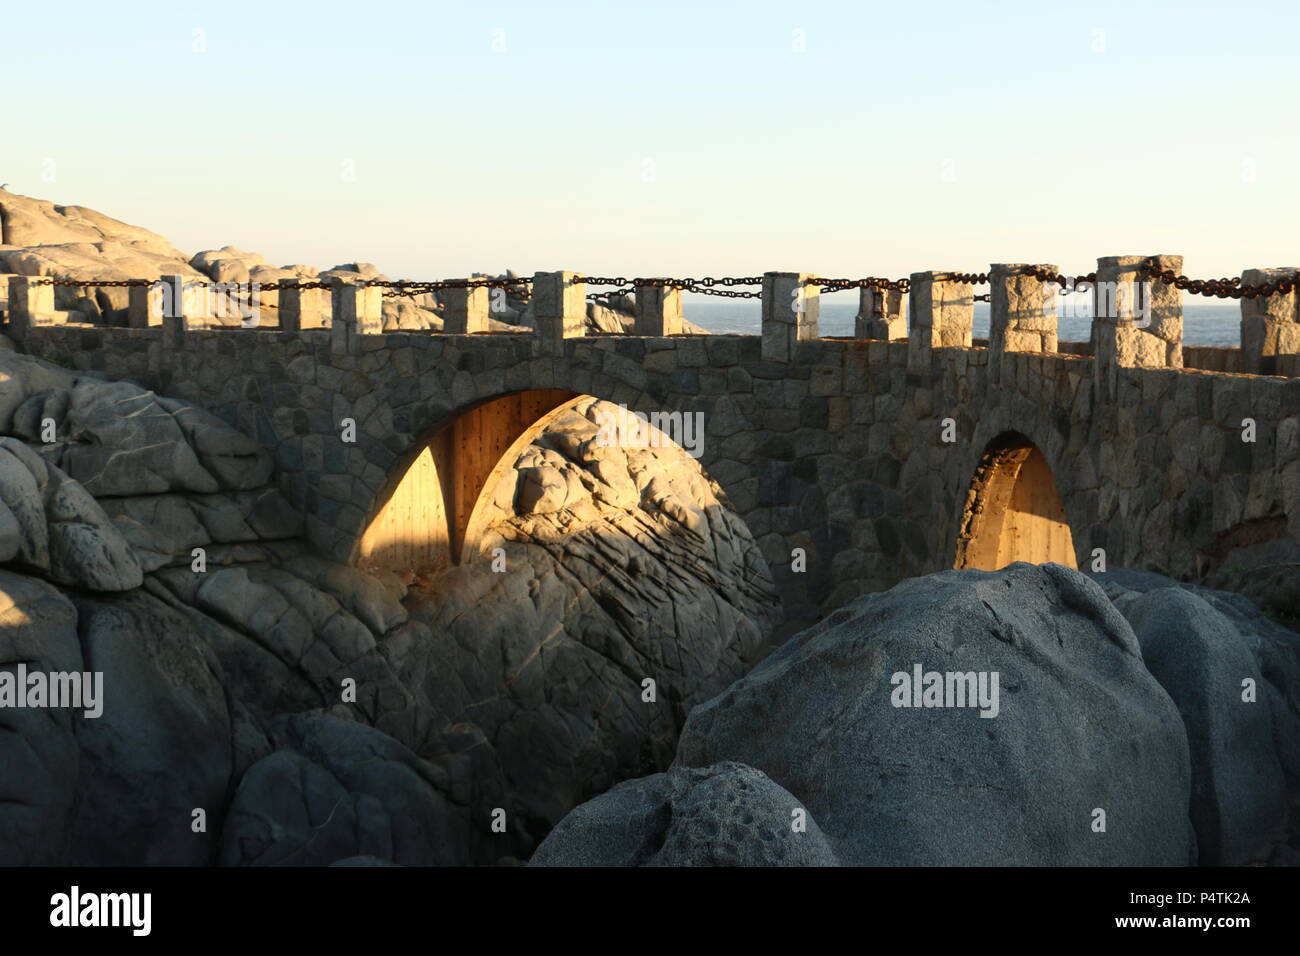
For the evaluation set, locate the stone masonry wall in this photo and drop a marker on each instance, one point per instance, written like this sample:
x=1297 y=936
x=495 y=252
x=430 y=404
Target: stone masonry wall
x=838 y=451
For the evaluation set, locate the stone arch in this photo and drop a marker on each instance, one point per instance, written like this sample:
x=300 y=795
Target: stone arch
x=606 y=375
x=1012 y=510
x=419 y=519
x=479 y=514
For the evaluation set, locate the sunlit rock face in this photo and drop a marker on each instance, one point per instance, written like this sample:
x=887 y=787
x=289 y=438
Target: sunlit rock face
x=41 y=238
x=317 y=711
x=616 y=566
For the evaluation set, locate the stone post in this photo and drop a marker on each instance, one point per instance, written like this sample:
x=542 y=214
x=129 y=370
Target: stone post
x=658 y=310
x=31 y=303
x=465 y=311
x=1270 y=325
x=882 y=314
x=559 y=308
x=358 y=310
x=1022 y=311
x=942 y=313
x=302 y=308
x=791 y=307
x=145 y=305
x=178 y=308
x=1137 y=322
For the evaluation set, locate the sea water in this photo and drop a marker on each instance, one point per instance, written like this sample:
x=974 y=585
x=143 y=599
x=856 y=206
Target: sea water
x=1213 y=323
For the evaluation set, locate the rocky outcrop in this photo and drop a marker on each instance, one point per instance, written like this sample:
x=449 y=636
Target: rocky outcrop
x=72 y=242
x=725 y=815
x=48 y=522
x=40 y=761
x=265 y=705
x=623 y=566
x=339 y=789
x=161 y=749
x=1082 y=758
x=1235 y=677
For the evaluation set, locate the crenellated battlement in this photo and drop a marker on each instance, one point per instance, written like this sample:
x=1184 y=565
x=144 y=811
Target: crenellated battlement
x=857 y=451
x=1137 y=309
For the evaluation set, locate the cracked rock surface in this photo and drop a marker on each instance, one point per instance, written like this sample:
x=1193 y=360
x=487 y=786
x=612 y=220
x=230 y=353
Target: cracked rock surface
x=314 y=712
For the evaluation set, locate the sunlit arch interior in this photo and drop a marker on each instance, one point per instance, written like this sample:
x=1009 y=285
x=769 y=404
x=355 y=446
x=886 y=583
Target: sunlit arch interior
x=1013 y=511
x=421 y=518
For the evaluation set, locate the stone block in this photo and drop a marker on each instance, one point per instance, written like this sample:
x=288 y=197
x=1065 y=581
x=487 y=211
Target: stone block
x=559 y=308
x=791 y=307
x=658 y=310
x=465 y=311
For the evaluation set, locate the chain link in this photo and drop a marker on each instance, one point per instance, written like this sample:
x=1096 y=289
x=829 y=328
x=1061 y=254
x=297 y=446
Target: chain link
x=704 y=286
x=870 y=282
x=1226 y=288
x=1066 y=283
x=96 y=283
x=412 y=288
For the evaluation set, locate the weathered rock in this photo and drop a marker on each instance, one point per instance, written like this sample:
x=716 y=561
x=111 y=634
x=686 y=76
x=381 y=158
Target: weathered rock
x=23 y=479
x=1081 y=726
x=39 y=761
x=118 y=439
x=1239 y=802
x=1201 y=637
x=227 y=264
x=36 y=222
x=164 y=529
x=339 y=789
x=724 y=815
x=57 y=527
x=235 y=460
x=638 y=572
x=54 y=526
x=21 y=378
x=162 y=747
x=73 y=242
x=85 y=549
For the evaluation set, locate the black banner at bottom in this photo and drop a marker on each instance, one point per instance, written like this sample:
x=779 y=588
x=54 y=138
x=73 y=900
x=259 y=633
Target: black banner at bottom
x=336 y=904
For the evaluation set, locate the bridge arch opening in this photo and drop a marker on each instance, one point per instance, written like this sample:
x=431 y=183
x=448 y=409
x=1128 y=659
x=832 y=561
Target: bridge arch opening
x=420 y=520
x=1013 y=511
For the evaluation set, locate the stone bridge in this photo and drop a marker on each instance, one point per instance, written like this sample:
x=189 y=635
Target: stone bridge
x=907 y=449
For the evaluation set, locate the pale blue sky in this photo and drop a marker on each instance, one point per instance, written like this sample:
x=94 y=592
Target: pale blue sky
x=668 y=138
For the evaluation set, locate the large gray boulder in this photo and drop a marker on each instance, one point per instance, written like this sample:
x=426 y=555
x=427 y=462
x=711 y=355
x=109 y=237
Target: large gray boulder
x=162 y=747
x=117 y=439
x=86 y=550
x=39 y=760
x=40 y=238
x=622 y=566
x=50 y=523
x=1081 y=726
x=1202 y=644
x=338 y=789
x=1239 y=803
x=724 y=815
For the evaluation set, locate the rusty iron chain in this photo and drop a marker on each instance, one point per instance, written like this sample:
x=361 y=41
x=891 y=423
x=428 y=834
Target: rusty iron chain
x=705 y=286
x=96 y=283
x=406 y=287
x=1225 y=288
x=870 y=282
x=1068 y=284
